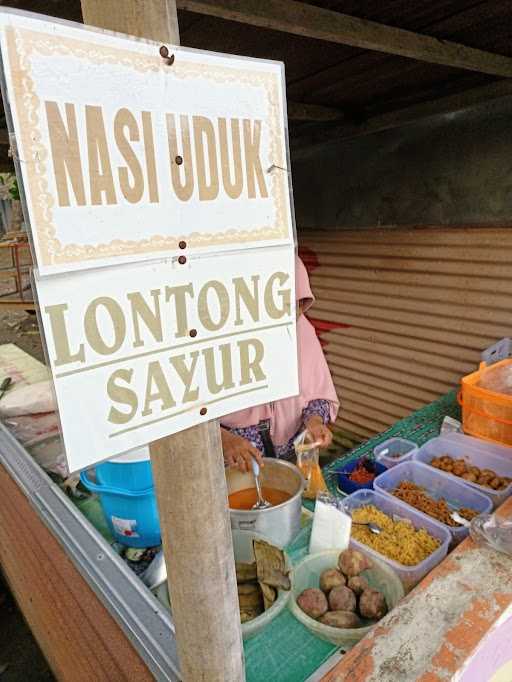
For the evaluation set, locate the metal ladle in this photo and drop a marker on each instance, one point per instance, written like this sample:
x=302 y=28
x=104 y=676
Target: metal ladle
x=261 y=503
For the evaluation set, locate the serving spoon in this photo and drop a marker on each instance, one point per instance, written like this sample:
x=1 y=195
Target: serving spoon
x=460 y=519
x=261 y=503
x=372 y=527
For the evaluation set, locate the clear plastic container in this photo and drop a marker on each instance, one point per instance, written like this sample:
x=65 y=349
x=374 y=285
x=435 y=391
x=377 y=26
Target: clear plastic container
x=409 y=575
x=476 y=452
x=438 y=485
x=394 y=451
x=307 y=574
x=491 y=531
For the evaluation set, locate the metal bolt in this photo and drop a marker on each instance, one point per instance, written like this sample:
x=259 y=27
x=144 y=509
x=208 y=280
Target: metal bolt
x=179 y=160
x=203 y=411
x=182 y=245
x=193 y=333
x=182 y=260
x=164 y=53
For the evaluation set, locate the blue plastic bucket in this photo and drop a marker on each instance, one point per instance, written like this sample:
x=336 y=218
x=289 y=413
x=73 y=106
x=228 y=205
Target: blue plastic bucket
x=130 y=509
x=130 y=471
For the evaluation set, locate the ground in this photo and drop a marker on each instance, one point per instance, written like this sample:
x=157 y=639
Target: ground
x=20 y=658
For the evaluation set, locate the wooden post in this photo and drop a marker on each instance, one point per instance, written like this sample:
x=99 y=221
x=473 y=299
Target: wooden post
x=188 y=467
x=191 y=486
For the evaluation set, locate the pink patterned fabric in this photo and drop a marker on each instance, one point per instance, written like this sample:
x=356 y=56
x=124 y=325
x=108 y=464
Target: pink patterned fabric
x=315 y=380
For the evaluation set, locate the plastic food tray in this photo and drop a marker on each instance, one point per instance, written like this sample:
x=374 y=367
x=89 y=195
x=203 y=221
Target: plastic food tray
x=409 y=575
x=402 y=449
x=478 y=453
x=438 y=485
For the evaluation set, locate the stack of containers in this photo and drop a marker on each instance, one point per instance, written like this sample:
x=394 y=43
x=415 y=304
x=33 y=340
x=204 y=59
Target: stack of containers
x=487 y=414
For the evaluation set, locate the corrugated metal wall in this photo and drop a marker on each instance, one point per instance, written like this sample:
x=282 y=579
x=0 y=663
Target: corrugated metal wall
x=404 y=313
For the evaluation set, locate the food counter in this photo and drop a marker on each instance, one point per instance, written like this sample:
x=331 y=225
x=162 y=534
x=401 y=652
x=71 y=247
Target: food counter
x=104 y=608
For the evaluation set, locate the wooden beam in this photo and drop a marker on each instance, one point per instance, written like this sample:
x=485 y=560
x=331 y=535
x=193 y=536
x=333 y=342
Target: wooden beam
x=401 y=117
x=309 y=21
x=16 y=304
x=313 y=112
x=154 y=19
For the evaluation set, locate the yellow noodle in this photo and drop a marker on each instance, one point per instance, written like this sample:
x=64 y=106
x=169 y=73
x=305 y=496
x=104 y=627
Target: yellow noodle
x=399 y=540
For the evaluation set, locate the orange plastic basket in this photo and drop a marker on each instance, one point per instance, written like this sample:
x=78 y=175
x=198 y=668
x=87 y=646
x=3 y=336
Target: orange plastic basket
x=486 y=414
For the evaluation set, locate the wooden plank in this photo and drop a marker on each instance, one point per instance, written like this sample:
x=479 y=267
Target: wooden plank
x=309 y=21
x=16 y=304
x=78 y=637
x=472 y=97
x=313 y=112
x=188 y=470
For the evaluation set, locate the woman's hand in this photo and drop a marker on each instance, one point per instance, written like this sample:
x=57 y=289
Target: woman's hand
x=318 y=431
x=238 y=452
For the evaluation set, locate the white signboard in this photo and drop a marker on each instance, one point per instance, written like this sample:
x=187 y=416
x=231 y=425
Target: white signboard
x=125 y=156
x=159 y=203
x=141 y=351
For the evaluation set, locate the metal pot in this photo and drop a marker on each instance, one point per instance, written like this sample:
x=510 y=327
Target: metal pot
x=279 y=524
